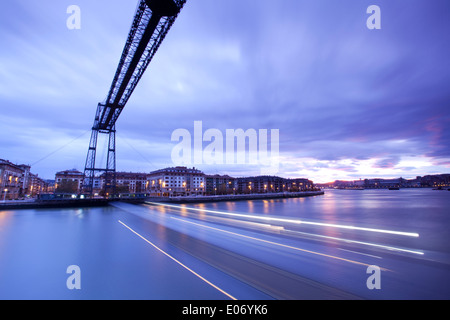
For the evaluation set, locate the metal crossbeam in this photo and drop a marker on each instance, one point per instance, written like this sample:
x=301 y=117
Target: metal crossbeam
x=151 y=23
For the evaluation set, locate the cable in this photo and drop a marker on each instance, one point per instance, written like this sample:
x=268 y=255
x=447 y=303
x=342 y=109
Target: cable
x=60 y=148
x=142 y=156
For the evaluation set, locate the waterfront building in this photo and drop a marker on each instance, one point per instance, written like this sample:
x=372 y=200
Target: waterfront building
x=11 y=180
x=36 y=185
x=68 y=181
x=260 y=184
x=26 y=179
x=98 y=184
x=220 y=184
x=14 y=180
x=176 y=181
x=435 y=181
x=130 y=182
x=272 y=184
x=49 y=185
x=298 y=184
x=384 y=183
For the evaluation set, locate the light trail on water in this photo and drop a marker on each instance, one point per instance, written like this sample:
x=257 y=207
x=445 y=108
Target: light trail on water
x=293 y=221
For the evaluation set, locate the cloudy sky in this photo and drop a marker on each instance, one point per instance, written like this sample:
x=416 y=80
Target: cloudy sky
x=349 y=102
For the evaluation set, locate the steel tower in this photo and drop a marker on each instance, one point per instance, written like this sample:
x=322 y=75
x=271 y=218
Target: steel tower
x=152 y=21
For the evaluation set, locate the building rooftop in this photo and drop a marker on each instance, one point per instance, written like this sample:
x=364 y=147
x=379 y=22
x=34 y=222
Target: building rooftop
x=177 y=170
x=71 y=172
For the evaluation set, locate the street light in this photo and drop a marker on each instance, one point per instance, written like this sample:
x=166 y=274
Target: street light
x=4 y=197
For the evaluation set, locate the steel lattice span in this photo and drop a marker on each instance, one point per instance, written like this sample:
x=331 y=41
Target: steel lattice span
x=151 y=23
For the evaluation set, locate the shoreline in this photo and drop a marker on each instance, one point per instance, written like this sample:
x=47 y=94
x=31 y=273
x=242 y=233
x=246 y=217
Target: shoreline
x=85 y=203
x=243 y=197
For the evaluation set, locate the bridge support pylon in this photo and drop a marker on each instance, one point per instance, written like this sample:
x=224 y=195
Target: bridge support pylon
x=94 y=175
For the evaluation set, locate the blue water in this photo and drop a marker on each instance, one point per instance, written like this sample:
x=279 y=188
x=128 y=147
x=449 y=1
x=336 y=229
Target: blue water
x=424 y=211
x=37 y=246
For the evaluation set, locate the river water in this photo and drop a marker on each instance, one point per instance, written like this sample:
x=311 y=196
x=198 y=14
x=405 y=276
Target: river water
x=406 y=231
x=422 y=211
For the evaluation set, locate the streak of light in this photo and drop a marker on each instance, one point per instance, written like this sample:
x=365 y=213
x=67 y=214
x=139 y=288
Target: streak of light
x=244 y=224
x=359 y=242
x=278 y=244
x=293 y=221
x=364 y=254
x=278 y=229
x=181 y=264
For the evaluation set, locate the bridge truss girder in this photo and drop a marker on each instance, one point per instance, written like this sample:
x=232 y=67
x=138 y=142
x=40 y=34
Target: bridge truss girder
x=151 y=23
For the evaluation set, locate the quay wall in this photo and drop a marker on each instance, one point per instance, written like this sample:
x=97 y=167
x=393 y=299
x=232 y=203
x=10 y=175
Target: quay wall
x=80 y=203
